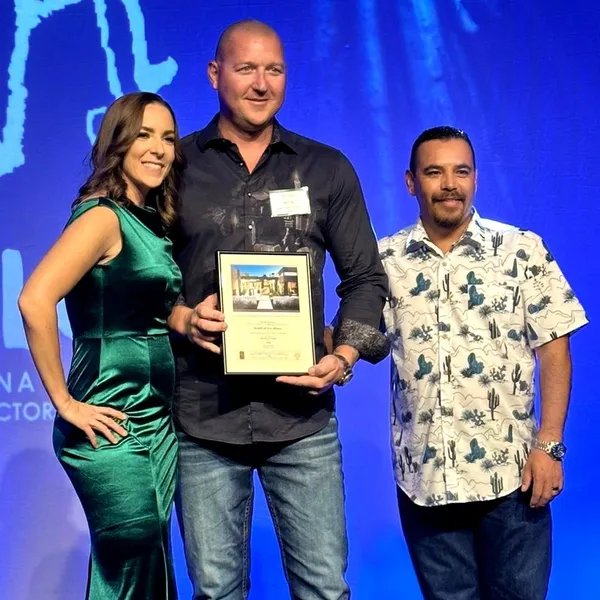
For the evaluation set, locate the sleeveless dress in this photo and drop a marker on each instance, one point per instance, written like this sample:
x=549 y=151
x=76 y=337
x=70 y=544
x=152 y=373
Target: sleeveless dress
x=122 y=358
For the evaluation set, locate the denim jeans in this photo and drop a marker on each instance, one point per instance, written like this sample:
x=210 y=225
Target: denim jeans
x=303 y=485
x=491 y=550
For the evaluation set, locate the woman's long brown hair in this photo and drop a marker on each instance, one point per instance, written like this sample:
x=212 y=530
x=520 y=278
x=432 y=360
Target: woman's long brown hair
x=119 y=129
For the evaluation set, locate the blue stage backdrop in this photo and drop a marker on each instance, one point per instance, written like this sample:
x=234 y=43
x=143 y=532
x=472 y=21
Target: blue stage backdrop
x=523 y=78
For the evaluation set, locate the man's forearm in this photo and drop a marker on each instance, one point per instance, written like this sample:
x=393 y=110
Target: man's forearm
x=555 y=386
x=348 y=352
x=178 y=318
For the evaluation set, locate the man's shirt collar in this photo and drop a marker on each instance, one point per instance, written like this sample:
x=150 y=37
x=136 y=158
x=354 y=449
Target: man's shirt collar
x=418 y=240
x=210 y=137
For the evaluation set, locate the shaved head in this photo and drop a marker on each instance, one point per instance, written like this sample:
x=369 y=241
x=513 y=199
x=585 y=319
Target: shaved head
x=246 y=26
x=249 y=75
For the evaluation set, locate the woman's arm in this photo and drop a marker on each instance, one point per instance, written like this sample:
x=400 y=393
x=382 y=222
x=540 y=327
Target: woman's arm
x=91 y=238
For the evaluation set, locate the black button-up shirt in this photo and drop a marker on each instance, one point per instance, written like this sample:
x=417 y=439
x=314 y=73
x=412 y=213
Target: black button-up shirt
x=224 y=207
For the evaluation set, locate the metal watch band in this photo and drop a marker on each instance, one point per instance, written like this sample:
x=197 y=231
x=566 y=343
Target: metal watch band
x=554 y=449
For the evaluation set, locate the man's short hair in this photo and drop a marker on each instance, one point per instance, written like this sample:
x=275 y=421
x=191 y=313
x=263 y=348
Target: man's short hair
x=244 y=25
x=444 y=132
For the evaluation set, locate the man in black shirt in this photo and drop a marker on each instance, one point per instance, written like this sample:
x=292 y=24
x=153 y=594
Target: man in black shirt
x=282 y=427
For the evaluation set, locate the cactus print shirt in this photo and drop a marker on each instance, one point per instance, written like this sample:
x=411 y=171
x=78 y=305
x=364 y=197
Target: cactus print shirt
x=464 y=327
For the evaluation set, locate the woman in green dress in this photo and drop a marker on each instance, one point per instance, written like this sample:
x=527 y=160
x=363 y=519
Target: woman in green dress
x=113 y=265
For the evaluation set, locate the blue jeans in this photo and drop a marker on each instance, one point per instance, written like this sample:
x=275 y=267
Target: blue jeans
x=492 y=550
x=303 y=485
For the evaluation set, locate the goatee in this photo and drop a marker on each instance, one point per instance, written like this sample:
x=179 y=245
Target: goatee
x=447 y=223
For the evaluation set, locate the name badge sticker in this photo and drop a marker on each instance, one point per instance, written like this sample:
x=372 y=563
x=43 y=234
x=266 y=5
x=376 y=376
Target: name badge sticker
x=286 y=203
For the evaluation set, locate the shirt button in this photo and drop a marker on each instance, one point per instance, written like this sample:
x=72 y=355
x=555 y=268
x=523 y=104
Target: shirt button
x=249 y=194
x=249 y=226
x=241 y=164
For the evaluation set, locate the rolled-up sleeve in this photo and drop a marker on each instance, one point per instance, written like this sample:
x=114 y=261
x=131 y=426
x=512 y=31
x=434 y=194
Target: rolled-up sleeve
x=363 y=284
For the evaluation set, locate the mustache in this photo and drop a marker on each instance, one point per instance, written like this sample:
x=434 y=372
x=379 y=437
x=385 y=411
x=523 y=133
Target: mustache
x=448 y=196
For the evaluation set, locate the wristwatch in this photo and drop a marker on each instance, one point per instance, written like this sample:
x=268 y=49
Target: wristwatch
x=348 y=373
x=555 y=450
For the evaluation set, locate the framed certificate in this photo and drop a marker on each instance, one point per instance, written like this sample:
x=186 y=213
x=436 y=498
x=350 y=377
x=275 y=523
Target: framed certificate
x=267 y=302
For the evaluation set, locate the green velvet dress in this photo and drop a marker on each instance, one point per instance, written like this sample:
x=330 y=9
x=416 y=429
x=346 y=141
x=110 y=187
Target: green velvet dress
x=122 y=358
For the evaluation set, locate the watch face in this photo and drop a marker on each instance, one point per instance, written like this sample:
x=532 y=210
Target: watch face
x=558 y=451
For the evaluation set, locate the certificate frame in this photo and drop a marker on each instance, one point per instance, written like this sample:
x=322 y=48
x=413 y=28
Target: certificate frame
x=266 y=298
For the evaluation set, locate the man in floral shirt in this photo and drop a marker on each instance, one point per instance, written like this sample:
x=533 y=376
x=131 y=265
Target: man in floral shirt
x=473 y=303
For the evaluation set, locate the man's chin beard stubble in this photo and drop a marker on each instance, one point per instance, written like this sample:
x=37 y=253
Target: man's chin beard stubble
x=447 y=223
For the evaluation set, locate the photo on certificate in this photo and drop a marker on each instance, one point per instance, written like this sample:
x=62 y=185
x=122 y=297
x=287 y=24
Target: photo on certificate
x=267 y=302
x=264 y=288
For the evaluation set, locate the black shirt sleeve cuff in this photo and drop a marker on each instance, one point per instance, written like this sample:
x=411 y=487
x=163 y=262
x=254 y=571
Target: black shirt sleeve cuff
x=372 y=345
